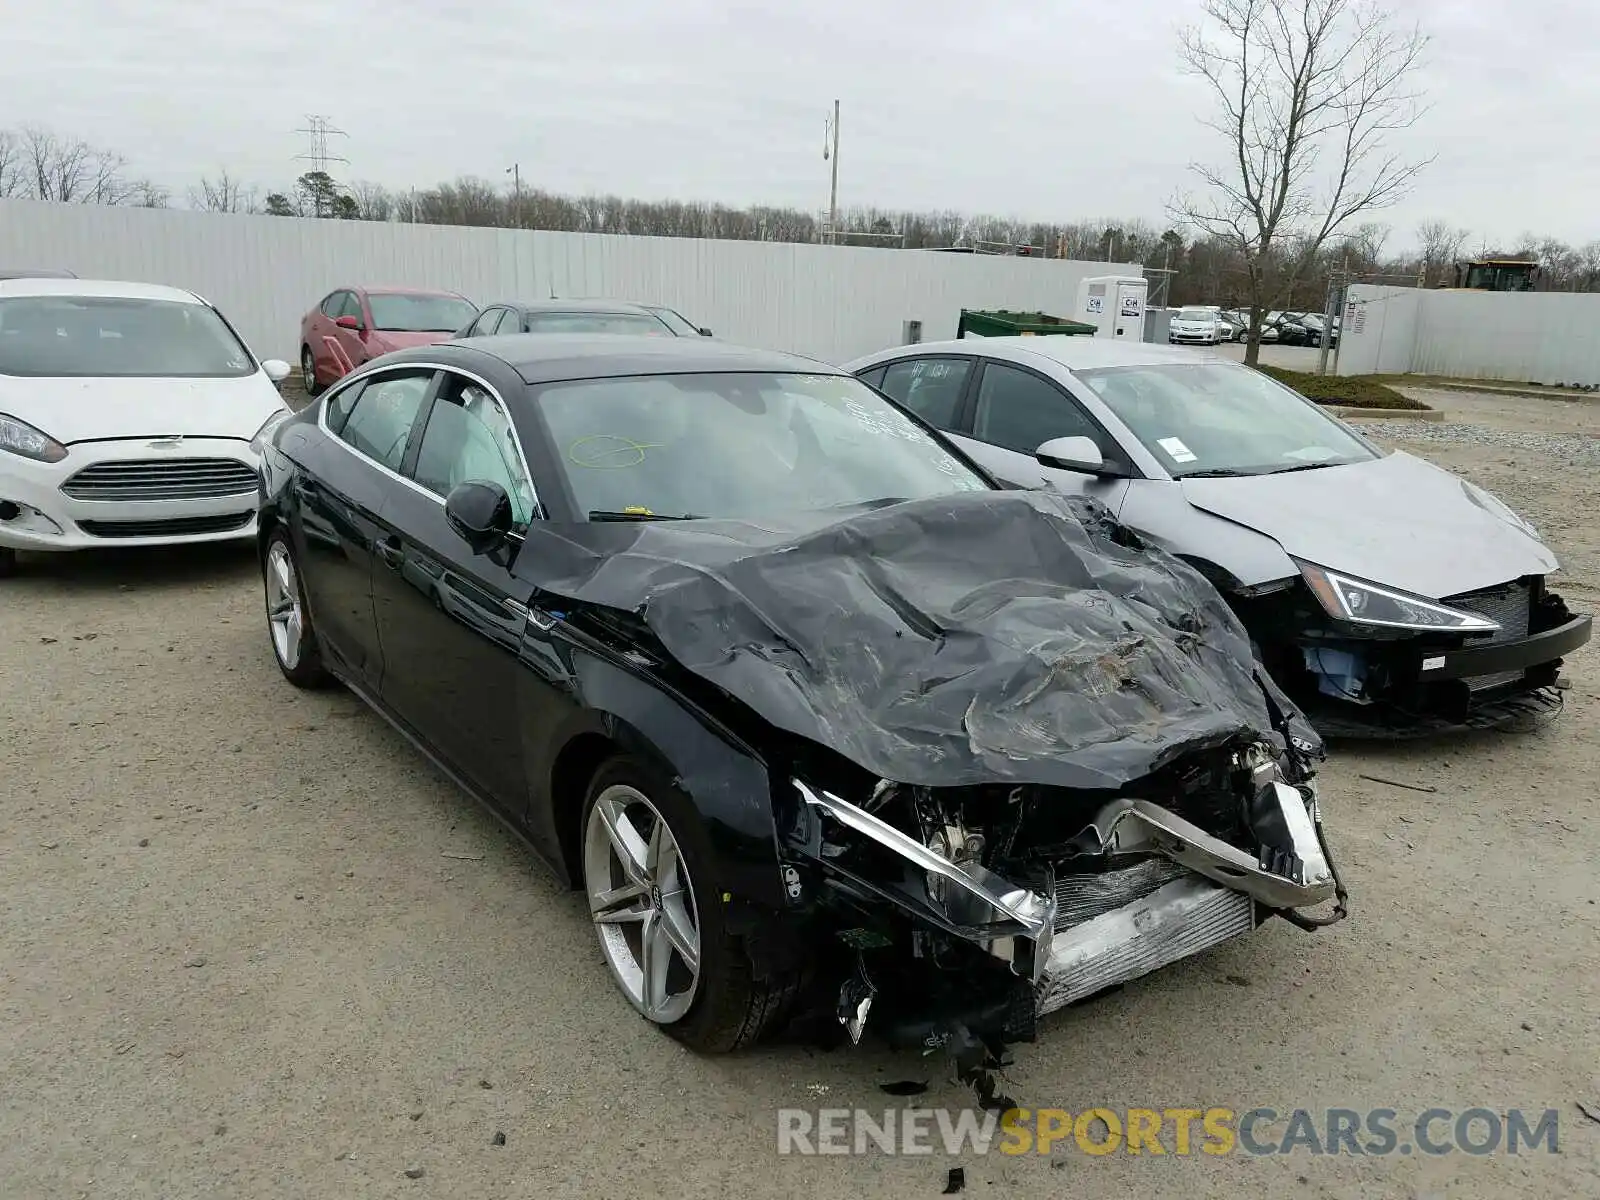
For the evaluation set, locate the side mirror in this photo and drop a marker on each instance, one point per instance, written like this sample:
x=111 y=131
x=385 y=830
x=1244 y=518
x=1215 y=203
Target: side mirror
x=348 y=322
x=480 y=513
x=276 y=369
x=704 y=332
x=1072 y=454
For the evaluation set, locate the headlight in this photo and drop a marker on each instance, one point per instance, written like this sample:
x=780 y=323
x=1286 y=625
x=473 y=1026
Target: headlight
x=20 y=438
x=1370 y=604
x=259 y=442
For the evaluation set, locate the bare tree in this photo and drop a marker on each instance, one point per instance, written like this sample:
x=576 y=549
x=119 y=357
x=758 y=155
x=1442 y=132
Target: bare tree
x=1307 y=92
x=13 y=174
x=373 y=201
x=70 y=170
x=1441 y=244
x=147 y=193
x=224 y=194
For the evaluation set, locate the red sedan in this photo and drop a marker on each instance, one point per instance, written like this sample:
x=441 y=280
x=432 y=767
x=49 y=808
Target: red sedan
x=354 y=324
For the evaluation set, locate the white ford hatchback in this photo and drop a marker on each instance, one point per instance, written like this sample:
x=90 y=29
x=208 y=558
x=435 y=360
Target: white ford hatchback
x=130 y=415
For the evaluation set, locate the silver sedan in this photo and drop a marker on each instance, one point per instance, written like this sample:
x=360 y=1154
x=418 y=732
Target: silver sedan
x=1387 y=595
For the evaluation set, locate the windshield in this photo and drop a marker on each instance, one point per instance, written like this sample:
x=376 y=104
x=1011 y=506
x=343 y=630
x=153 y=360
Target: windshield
x=741 y=445
x=675 y=322
x=1195 y=314
x=111 y=336
x=636 y=324
x=1222 y=419
x=405 y=312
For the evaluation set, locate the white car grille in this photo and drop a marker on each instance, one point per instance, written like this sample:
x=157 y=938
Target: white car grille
x=162 y=479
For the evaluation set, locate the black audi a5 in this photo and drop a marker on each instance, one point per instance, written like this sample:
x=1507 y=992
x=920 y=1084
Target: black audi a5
x=817 y=715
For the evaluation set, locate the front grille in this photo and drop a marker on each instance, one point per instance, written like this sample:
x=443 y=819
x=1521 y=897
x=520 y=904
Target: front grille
x=172 y=527
x=162 y=479
x=1510 y=605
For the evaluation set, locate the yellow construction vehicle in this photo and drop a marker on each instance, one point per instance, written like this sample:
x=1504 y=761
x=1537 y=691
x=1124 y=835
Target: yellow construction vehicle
x=1497 y=275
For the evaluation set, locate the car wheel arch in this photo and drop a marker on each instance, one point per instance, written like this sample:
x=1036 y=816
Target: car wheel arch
x=728 y=783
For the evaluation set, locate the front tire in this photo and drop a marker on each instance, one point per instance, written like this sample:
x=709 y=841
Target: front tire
x=308 y=372
x=658 y=910
x=289 y=629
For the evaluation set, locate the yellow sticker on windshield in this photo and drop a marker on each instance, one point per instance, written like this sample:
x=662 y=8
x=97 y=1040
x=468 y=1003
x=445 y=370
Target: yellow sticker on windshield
x=607 y=451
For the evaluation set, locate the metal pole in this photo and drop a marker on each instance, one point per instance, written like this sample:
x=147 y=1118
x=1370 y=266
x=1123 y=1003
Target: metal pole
x=833 y=190
x=1327 y=324
x=515 y=171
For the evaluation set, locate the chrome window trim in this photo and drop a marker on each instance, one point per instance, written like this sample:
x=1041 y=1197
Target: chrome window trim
x=354 y=377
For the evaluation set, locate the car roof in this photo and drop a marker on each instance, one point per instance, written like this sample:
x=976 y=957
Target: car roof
x=575 y=306
x=384 y=289
x=1076 y=352
x=115 y=289
x=549 y=357
x=36 y=273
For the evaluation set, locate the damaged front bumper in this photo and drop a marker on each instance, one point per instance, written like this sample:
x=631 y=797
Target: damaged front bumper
x=1173 y=890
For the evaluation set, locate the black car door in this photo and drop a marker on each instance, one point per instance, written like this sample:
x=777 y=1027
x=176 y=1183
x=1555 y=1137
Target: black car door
x=338 y=495
x=450 y=622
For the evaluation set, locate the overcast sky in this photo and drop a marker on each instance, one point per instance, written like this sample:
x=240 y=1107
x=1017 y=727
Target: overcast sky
x=1048 y=110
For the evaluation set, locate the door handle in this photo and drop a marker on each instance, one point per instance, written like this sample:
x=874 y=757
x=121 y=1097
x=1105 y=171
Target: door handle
x=390 y=551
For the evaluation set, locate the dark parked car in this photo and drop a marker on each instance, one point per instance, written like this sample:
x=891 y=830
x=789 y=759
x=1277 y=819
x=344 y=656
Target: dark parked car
x=813 y=712
x=580 y=317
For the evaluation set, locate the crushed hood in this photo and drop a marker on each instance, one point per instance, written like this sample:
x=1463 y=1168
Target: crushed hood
x=976 y=638
x=72 y=410
x=1395 y=520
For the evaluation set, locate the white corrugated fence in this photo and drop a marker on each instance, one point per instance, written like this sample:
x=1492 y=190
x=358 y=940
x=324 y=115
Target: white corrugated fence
x=831 y=302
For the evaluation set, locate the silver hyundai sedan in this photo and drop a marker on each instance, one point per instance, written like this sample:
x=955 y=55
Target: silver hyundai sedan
x=1385 y=594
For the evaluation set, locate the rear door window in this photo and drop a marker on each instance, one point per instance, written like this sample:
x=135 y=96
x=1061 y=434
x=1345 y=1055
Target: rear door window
x=930 y=387
x=380 y=421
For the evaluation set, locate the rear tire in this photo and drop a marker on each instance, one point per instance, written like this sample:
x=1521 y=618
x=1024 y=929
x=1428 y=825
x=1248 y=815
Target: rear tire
x=649 y=872
x=289 y=628
x=308 y=372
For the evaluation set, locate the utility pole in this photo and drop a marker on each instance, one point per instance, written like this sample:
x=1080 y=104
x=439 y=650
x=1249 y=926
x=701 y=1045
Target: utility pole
x=515 y=171
x=833 y=191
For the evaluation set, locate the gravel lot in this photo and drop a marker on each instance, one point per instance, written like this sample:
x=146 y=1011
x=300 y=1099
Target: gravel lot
x=252 y=946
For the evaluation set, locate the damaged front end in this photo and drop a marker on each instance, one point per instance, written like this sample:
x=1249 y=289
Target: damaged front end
x=963 y=913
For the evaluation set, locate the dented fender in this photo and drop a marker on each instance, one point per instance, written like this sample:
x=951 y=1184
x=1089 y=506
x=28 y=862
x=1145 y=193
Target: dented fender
x=725 y=779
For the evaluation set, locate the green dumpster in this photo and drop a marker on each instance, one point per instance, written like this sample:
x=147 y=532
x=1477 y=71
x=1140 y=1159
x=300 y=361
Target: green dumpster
x=1001 y=323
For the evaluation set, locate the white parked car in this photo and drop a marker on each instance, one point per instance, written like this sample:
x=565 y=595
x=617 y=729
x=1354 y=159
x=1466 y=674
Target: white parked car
x=1195 y=326
x=130 y=415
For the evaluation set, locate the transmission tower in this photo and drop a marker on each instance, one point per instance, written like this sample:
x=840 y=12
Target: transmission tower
x=318 y=130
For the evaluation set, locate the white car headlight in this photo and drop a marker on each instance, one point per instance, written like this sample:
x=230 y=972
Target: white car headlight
x=20 y=438
x=1365 y=603
x=259 y=442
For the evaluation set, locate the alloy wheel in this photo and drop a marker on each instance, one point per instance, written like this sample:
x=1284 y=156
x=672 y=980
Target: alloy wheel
x=642 y=903
x=284 y=617
x=308 y=371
